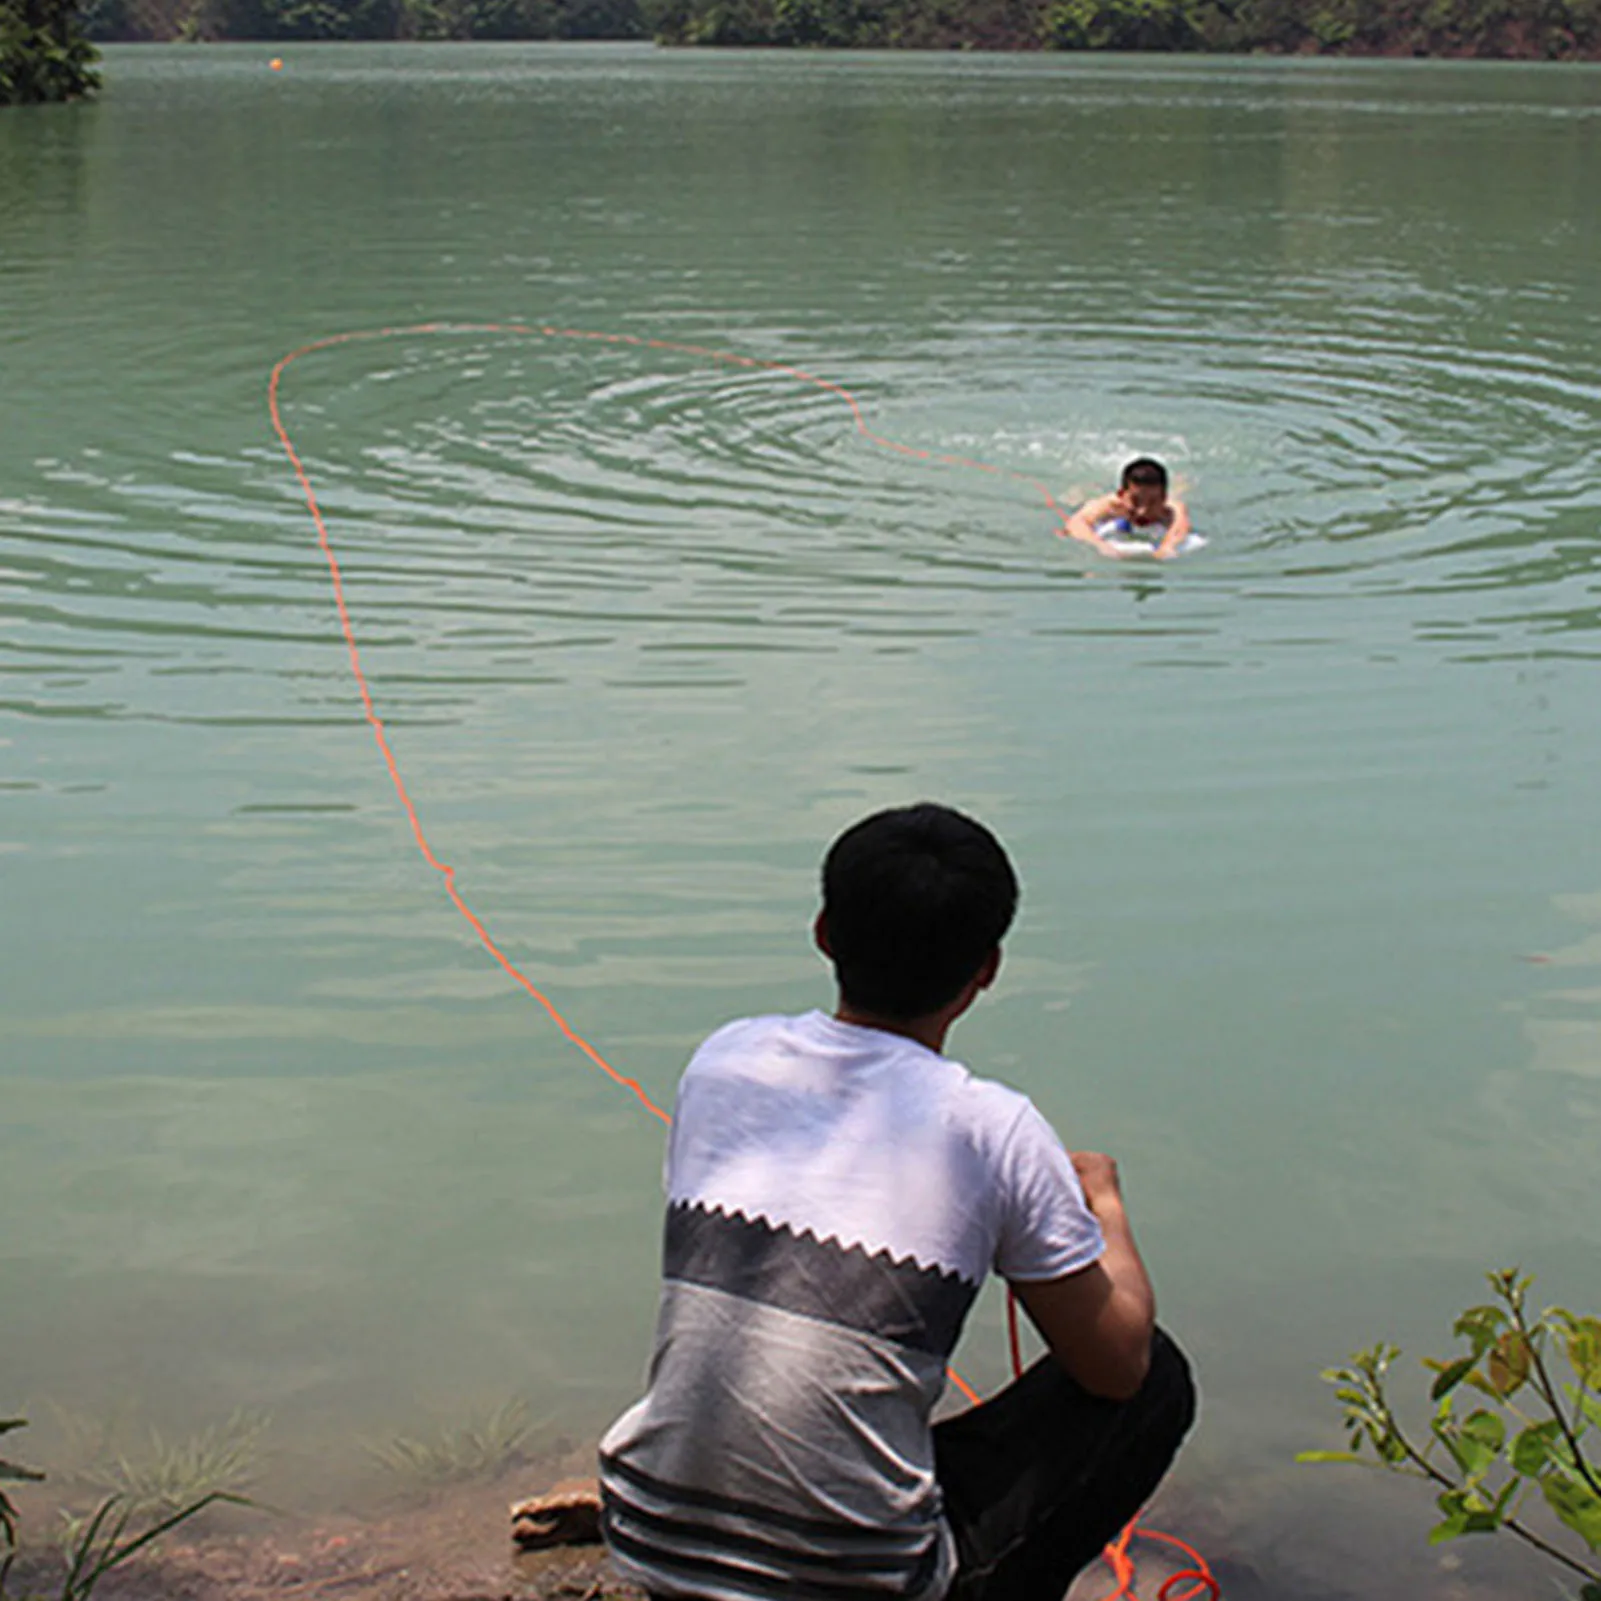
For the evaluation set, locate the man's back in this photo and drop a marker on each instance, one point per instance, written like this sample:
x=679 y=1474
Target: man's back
x=836 y=1196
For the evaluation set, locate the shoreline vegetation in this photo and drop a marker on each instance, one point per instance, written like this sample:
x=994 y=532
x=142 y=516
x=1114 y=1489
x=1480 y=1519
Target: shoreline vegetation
x=47 y=47
x=1525 y=30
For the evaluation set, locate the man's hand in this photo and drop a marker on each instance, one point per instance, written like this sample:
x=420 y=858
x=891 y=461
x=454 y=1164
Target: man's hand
x=1097 y=1173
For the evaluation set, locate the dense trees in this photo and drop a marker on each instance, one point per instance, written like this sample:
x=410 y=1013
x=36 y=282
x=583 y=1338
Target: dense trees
x=1542 y=29
x=1539 y=29
x=43 y=53
x=364 y=19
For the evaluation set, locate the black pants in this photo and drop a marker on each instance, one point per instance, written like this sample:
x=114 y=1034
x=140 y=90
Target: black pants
x=1039 y=1478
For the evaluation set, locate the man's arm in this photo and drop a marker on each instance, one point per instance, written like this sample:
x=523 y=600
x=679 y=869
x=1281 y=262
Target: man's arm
x=1177 y=530
x=1081 y=525
x=1098 y=1322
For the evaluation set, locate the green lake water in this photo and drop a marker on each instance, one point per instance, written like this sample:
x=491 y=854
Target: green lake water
x=1307 y=822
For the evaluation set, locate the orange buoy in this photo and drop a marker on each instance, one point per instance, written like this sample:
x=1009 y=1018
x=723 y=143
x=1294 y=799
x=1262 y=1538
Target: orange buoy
x=276 y=64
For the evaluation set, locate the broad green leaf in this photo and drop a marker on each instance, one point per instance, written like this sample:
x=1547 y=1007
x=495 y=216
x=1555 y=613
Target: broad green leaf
x=1588 y=1404
x=1577 y=1505
x=1531 y=1452
x=1464 y=1513
x=1480 y=1324
x=1475 y=1442
x=1451 y=1374
x=1455 y=1519
x=1584 y=1350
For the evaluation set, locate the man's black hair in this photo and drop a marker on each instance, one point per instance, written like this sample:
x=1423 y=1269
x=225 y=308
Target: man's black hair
x=1144 y=470
x=915 y=899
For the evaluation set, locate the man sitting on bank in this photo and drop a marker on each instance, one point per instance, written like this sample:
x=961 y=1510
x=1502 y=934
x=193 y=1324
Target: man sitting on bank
x=837 y=1192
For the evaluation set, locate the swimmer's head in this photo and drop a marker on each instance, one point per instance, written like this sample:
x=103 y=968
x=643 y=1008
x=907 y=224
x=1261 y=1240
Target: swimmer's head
x=1144 y=486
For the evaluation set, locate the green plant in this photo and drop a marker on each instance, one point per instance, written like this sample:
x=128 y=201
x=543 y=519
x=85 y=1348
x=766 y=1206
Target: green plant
x=1119 y=25
x=43 y=53
x=168 y=1474
x=477 y=1449
x=102 y=1543
x=1528 y=1440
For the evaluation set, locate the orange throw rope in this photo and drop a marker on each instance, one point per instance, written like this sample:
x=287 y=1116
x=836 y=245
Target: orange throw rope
x=1117 y=1558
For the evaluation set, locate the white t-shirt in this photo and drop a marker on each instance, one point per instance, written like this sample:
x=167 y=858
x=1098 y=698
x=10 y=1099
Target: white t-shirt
x=836 y=1197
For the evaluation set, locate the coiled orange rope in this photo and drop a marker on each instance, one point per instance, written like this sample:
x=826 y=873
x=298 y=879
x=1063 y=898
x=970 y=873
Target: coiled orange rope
x=1116 y=1555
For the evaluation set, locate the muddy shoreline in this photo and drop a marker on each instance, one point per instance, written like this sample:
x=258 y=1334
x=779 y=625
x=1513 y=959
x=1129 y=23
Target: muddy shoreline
x=454 y=1544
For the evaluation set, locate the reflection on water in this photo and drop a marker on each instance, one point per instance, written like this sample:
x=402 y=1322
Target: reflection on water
x=644 y=630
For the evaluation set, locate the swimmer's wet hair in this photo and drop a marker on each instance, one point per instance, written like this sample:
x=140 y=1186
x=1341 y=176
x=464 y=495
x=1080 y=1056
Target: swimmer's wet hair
x=915 y=899
x=1146 y=471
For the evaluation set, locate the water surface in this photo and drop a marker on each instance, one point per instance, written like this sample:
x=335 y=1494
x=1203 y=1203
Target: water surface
x=1312 y=910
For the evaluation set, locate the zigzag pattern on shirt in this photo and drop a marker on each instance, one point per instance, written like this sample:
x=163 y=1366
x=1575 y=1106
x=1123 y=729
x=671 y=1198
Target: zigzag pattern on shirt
x=890 y=1298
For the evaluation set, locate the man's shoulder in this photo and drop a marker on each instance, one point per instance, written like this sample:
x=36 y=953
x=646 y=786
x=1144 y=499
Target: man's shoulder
x=742 y=1041
x=988 y=1108
x=1002 y=1103
x=742 y=1030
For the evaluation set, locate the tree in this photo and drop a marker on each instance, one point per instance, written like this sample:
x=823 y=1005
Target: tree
x=1120 y=25
x=43 y=53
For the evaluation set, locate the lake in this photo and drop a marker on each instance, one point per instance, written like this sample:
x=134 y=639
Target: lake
x=1306 y=822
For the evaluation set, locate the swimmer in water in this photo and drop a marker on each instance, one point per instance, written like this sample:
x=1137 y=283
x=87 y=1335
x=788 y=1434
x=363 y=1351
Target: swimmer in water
x=1139 y=509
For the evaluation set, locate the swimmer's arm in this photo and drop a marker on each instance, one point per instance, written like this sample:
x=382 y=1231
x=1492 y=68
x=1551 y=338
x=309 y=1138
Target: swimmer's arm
x=1081 y=525
x=1177 y=531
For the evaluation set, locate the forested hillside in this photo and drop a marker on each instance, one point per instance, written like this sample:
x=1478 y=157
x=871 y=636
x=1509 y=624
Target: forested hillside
x=363 y=19
x=1537 y=29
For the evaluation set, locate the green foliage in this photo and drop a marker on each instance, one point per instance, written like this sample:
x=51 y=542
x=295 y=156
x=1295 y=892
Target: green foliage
x=105 y=1541
x=1535 y=1383
x=284 y=21
x=818 y=22
x=44 y=55
x=1121 y=25
x=168 y=1474
x=1557 y=28
x=480 y=1448
x=1539 y=28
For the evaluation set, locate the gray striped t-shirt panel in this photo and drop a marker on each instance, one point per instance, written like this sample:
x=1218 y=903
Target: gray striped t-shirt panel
x=776 y=1450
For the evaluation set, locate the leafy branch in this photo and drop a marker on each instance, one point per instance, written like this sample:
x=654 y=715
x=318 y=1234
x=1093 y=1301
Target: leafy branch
x=1529 y=1440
